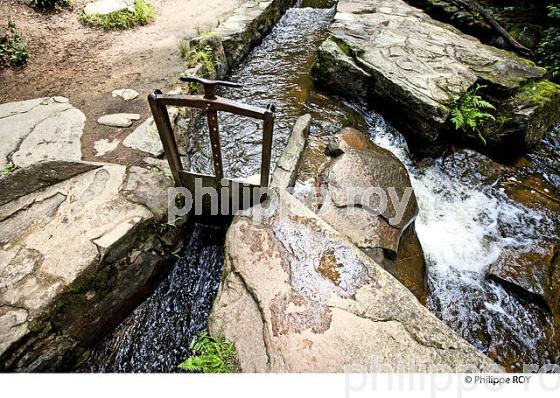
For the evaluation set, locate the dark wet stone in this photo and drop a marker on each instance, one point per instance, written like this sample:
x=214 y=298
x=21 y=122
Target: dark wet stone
x=37 y=176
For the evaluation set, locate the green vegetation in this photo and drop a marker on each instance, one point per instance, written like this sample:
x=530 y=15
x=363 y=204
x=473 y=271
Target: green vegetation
x=548 y=50
x=9 y=168
x=195 y=56
x=211 y=355
x=541 y=93
x=50 y=4
x=176 y=254
x=184 y=48
x=13 y=51
x=142 y=15
x=157 y=170
x=469 y=112
x=196 y=52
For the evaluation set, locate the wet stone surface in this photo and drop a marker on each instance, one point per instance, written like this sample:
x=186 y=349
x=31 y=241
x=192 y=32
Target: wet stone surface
x=156 y=336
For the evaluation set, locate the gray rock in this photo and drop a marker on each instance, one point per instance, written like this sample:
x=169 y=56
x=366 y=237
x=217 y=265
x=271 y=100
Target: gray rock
x=104 y=7
x=412 y=67
x=40 y=129
x=316 y=303
x=373 y=222
x=118 y=119
x=288 y=164
x=76 y=255
x=145 y=138
x=125 y=93
x=104 y=146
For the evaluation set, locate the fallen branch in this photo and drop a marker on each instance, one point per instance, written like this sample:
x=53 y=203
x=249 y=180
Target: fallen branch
x=474 y=6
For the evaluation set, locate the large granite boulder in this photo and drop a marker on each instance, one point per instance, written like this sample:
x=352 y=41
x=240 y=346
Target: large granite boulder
x=369 y=199
x=80 y=245
x=413 y=68
x=297 y=296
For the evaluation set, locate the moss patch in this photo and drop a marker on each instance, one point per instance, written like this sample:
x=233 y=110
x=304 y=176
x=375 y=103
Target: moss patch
x=200 y=52
x=142 y=15
x=344 y=47
x=541 y=93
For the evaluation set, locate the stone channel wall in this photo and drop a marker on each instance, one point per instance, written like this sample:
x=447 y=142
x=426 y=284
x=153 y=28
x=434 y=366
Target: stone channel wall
x=230 y=43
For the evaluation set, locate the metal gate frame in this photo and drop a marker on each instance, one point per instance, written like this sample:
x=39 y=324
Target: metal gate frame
x=212 y=104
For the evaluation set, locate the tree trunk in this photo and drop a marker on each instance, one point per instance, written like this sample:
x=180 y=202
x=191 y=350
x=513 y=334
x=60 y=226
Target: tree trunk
x=474 y=6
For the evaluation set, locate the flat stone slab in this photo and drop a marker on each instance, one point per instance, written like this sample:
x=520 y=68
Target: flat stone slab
x=118 y=119
x=413 y=67
x=38 y=176
x=145 y=138
x=66 y=237
x=104 y=146
x=40 y=129
x=125 y=93
x=104 y=7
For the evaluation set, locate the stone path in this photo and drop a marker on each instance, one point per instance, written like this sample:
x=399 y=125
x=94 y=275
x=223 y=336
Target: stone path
x=40 y=129
x=102 y=72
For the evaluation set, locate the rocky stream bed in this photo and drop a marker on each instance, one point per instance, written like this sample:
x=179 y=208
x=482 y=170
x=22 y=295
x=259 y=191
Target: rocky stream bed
x=468 y=277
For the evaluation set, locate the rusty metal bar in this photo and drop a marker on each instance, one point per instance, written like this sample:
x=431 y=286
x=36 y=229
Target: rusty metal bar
x=218 y=104
x=165 y=130
x=215 y=143
x=268 y=125
x=212 y=104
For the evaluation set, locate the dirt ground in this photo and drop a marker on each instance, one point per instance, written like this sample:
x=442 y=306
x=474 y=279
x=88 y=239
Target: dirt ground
x=86 y=64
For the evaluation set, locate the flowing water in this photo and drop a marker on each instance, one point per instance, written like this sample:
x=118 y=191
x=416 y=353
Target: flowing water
x=464 y=222
x=276 y=72
x=156 y=336
x=464 y=225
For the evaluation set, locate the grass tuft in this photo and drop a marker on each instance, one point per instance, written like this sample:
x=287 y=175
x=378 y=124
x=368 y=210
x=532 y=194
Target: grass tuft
x=143 y=14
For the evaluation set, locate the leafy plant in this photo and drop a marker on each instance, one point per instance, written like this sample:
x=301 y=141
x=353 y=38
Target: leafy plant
x=469 y=112
x=554 y=11
x=9 y=168
x=548 y=50
x=13 y=51
x=211 y=355
x=50 y=4
x=176 y=254
x=203 y=56
x=142 y=15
